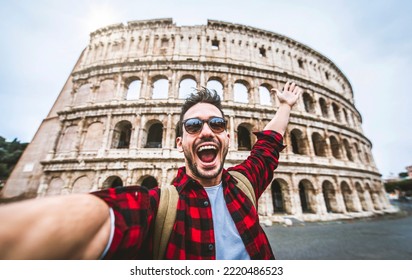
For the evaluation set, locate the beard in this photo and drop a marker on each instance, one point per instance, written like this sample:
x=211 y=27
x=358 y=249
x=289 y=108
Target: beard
x=200 y=173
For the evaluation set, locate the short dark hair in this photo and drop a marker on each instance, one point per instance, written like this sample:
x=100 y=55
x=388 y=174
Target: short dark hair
x=203 y=95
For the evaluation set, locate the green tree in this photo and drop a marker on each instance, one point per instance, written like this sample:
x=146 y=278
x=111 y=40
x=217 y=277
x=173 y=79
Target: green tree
x=10 y=153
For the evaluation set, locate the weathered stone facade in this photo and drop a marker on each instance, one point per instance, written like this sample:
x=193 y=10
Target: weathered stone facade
x=114 y=122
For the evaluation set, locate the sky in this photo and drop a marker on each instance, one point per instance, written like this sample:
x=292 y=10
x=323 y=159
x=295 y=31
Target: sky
x=369 y=41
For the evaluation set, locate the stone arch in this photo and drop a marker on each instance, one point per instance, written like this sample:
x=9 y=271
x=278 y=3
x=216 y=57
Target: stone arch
x=298 y=142
x=319 y=145
x=82 y=95
x=121 y=135
x=329 y=195
x=187 y=85
x=55 y=186
x=216 y=84
x=68 y=140
x=264 y=95
x=160 y=88
x=309 y=103
x=112 y=182
x=376 y=203
x=94 y=136
x=244 y=138
x=241 y=91
x=134 y=89
x=154 y=135
x=366 y=155
x=348 y=149
x=81 y=185
x=149 y=182
x=336 y=112
x=362 y=198
x=335 y=147
x=345 y=116
x=307 y=196
x=106 y=91
x=347 y=196
x=369 y=195
x=277 y=197
x=357 y=152
x=324 y=107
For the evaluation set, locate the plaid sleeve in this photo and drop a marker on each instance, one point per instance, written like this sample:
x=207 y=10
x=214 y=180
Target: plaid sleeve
x=134 y=209
x=263 y=160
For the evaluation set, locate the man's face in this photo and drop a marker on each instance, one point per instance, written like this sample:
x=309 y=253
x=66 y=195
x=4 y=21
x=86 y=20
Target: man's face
x=205 y=151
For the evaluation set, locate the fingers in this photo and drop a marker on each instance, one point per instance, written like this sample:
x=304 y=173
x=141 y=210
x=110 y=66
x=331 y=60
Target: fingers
x=290 y=87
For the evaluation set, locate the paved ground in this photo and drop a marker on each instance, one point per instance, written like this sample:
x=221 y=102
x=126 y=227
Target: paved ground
x=382 y=238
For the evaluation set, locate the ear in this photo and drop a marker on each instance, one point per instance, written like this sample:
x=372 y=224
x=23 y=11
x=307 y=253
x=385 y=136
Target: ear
x=228 y=139
x=179 y=144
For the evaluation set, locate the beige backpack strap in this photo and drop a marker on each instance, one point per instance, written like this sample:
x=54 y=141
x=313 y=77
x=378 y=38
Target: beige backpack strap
x=244 y=185
x=165 y=219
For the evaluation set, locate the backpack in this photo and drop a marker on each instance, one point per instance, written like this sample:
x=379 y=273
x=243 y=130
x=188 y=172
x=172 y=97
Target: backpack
x=166 y=213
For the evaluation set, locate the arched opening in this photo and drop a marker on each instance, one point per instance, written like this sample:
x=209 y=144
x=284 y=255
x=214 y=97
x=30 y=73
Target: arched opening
x=105 y=91
x=347 y=150
x=319 y=144
x=186 y=87
x=217 y=86
x=133 y=91
x=329 y=196
x=113 y=182
x=81 y=185
x=241 y=93
x=149 y=182
x=335 y=147
x=94 y=136
x=308 y=103
x=306 y=196
x=68 y=139
x=160 y=89
x=298 y=142
x=243 y=139
x=345 y=115
x=121 y=135
x=324 y=108
x=361 y=194
x=155 y=136
x=336 y=112
x=55 y=187
x=264 y=95
x=277 y=197
x=347 y=196
x=368 y=193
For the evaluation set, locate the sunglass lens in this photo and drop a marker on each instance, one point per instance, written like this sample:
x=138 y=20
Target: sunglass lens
x=193 y=125
x=217 y=124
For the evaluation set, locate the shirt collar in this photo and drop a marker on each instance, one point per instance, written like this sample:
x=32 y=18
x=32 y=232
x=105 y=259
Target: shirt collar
x=182 y=179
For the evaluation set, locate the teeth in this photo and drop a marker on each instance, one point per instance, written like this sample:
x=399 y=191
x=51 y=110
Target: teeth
x=209 y=147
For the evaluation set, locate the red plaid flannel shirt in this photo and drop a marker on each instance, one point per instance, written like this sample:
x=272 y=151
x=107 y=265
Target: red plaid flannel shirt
x=192 y=237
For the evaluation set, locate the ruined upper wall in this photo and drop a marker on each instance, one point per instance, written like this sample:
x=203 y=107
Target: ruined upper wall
x=218 y=42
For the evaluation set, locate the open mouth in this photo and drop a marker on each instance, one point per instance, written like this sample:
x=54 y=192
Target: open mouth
x=207 y=153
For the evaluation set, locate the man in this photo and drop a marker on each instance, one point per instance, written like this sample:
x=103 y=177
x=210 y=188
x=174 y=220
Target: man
x=214 y=220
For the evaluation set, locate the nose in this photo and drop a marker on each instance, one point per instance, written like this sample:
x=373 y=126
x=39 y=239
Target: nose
x=206 y=131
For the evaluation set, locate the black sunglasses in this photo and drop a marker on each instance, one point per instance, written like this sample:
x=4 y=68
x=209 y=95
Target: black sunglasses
x=195 y=125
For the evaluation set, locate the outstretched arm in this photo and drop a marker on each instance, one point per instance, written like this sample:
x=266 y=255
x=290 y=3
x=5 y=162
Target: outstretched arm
x=61 y=227
x=287 y=99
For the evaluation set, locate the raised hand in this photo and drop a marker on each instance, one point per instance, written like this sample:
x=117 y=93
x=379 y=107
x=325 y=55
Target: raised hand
x=289 y=95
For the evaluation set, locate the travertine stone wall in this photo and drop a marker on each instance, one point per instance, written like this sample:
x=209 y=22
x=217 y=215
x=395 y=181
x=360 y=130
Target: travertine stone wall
x=114 y=122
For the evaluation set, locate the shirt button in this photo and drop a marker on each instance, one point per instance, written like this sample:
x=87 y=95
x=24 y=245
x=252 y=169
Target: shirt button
x=211 y=247
x=206 y=203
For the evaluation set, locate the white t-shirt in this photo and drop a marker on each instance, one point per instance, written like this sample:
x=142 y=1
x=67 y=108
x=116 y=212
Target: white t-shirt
x=229 y=245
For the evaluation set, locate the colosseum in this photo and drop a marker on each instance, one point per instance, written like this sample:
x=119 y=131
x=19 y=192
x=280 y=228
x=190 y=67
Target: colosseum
x=114 y=122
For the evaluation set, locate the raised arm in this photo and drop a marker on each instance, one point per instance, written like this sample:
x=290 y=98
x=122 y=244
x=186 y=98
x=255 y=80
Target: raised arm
x=63 y=227
x=287 y=99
